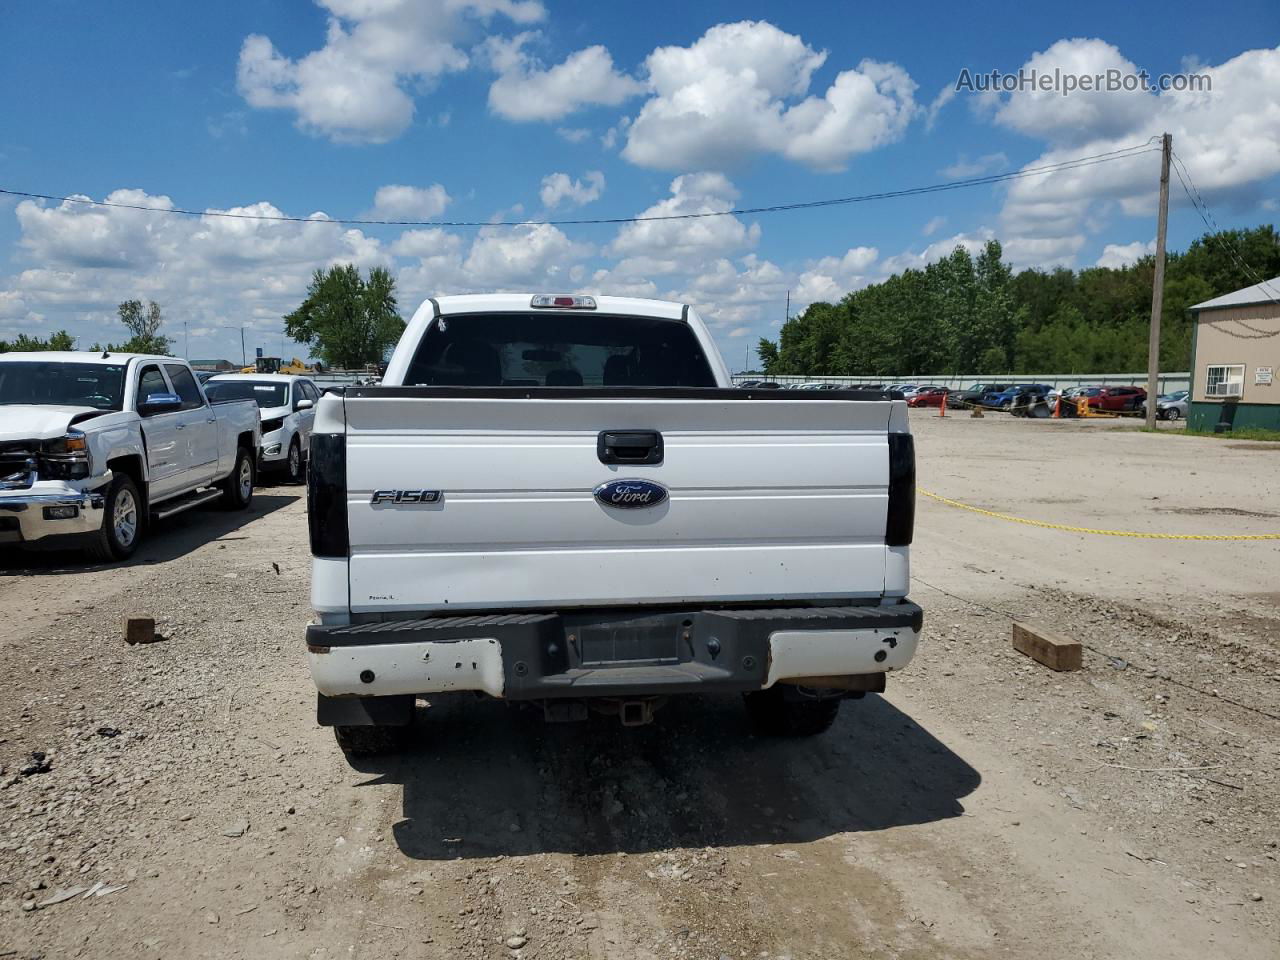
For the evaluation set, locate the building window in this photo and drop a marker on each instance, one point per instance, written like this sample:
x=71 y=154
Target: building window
x=1224 y=380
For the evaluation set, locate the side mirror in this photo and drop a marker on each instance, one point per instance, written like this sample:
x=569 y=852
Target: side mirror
x=303 y=405
x=159 y=403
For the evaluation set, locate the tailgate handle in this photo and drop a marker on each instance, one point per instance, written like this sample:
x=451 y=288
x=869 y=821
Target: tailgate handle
x=629 y=446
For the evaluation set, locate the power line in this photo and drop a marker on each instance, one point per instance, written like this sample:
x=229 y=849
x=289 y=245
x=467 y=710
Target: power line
x=1060 y=167
x=1202 y=207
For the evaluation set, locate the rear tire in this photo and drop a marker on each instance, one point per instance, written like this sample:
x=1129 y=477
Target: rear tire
x=773 y=715
x=237 y=489
x=122 y=520
x=371 y=741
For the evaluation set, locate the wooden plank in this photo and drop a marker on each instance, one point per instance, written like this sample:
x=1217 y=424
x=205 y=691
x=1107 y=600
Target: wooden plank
x=1055 y=652
x=139 y=630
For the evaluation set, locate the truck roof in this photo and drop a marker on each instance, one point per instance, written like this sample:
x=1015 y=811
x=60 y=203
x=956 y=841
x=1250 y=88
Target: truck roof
x=86 y=356
x=236 y=376
x=521 y=303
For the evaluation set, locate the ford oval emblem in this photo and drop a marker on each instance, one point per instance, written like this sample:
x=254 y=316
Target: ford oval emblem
x=629 y=494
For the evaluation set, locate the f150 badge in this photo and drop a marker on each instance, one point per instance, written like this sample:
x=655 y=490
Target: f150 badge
x=405 y=496
x=629 y=494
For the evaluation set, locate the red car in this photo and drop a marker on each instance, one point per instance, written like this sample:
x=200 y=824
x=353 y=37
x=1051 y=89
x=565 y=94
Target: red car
x=927 y=397
x=1114 y=398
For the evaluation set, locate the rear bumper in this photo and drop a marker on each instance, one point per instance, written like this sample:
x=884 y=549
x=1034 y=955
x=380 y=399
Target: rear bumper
x=608 y=654
x=48 y=510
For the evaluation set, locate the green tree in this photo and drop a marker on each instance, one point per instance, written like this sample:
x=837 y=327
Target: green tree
x=767 y=350
x=60 y=340
x=346 y=320
x=144 y=328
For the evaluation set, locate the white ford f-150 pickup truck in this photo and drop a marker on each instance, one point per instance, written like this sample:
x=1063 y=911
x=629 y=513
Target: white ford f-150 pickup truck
x=562 y=500
x=92 y=445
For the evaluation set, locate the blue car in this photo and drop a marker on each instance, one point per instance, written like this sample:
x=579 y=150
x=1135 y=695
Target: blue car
x=1006 y=398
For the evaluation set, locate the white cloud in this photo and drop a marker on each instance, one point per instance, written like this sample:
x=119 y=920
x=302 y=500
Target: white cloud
x=933 y=226
x=675 y=243
x=428 y=244
x=1084 y=114
x=533 y=256
x=208 y=271
x=573 y=134
x=735 y=93
x=1043 y=252
x=12 y=306
x=558 y=188
x=1117 y=255
x=830 y=278
x=357 y=87
x=398 y=202
x=864 y=109
x=526 y=90
x=610 y=138
x=964 y=168
x=973 y=241
x=1229 y=138
x=945 y=96
x=727 y=297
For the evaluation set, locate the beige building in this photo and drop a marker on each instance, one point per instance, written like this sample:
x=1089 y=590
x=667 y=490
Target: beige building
x=1235 y=359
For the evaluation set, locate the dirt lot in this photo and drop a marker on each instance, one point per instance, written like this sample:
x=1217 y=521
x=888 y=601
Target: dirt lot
x=984 y=807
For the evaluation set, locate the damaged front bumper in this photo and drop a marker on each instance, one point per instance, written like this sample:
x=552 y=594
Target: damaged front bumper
x=47 y=510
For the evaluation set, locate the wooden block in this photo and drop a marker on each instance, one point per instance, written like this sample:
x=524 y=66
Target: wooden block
x=1053 y=651
x=139 y=630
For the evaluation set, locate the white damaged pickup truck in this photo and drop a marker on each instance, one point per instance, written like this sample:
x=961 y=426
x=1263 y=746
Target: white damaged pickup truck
x=93 y=445
x=561 y=500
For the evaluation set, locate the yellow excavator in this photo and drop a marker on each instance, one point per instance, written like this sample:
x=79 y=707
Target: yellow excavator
x=276 y=365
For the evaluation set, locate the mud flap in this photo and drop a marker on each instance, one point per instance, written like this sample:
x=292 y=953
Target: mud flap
x=364 y=711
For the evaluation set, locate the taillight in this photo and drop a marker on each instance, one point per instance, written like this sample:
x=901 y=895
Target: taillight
x=327 y=496
x=901 y=520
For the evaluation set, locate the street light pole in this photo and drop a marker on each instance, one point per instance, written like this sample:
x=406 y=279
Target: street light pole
x=243 y=358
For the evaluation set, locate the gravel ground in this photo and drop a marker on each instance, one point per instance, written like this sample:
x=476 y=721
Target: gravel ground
x=983 y=807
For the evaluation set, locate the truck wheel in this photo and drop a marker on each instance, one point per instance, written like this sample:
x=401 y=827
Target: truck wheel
x=237 y=489
x=773 y=715
x=121 y=522
x=371 y=741
x=297 y=472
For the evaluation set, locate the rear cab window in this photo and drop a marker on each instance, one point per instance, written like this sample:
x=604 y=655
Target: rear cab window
x=558 y=350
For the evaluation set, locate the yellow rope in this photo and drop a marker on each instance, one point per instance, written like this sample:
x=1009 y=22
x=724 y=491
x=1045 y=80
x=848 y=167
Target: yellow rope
x=1104 y=533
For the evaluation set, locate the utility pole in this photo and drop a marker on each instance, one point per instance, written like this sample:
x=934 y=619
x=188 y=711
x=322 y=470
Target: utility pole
x=788 y=316
x=186 y=348
x=243 y=358
x=1157 y=286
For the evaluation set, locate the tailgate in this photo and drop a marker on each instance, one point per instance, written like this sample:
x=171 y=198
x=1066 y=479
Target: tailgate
x=768 y=499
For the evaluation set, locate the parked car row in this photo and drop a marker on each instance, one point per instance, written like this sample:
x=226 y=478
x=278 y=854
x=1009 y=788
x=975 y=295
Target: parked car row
x=996 y=395
x=96 y=445
x=1170 y=406
x=286 y=406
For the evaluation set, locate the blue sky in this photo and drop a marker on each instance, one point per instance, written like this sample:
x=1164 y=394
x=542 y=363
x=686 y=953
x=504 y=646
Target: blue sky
x=525 y=109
